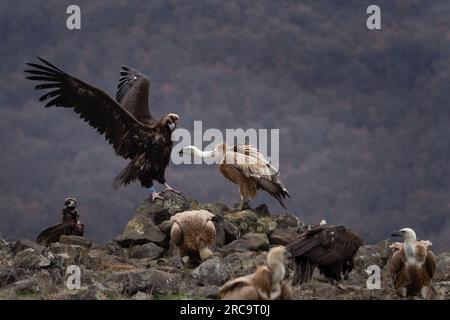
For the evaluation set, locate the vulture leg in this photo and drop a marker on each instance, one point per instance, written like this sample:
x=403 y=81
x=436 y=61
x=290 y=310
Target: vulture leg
x=155 y=195
x=169 y=188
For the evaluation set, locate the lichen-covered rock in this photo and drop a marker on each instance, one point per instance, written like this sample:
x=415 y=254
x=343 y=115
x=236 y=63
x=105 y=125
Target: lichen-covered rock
x=141 y=229
x=249 y=241
x=211 y=272
x=243 y=263
x=248 y=221
x=289 y=221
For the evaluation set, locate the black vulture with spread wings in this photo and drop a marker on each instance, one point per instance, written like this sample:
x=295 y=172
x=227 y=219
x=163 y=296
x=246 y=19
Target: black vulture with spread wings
x=330 y=248
x=70 y=225
x=125 y=122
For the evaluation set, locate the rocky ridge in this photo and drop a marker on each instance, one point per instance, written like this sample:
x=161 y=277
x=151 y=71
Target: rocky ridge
x=140 y=263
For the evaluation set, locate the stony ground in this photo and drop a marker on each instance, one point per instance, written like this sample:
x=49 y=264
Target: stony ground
x=141 y=264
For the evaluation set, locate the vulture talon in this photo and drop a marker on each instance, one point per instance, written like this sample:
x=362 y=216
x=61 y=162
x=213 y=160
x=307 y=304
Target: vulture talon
x=156 y=195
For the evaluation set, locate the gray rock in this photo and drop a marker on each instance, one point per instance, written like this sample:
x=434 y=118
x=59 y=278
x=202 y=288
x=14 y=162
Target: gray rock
x=282 y=236
x=220 y=234
x=378 y=254
x=289 y=221
x=148 y=250
x=249 y=241
x=141 y=229
x=209 y=292
x=231 y=231
x=211 y=272
x=29 y=285
x=243 y=263
x=23 y=244
x=152 y=280
x=141 y=296
x=75 y=240
x=30 y=259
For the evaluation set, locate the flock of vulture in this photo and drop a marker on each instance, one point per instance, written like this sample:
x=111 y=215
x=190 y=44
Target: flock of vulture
x=136 y=135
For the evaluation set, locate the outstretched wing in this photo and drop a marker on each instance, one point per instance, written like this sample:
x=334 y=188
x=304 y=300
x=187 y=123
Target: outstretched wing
x=54 y=233
x=120 y=127
x=133 y=92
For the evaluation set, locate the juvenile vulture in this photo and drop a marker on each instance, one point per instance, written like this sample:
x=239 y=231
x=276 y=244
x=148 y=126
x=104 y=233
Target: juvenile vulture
x=412 y=265
x=126 y=123
x=194 y=233
x=245 y=166
x=70 y=225
x=331 y=248
x=267 y=283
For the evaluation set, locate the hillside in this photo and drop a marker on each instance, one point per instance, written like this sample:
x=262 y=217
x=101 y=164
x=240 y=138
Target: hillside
x=140 y=263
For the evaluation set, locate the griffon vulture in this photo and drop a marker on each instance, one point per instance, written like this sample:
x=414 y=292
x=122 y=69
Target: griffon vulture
x=331 y=248
x=70 y=225
x=245 y=166
x=194 y=233
x=126 y=123
x=267 y=283
x=412 y=265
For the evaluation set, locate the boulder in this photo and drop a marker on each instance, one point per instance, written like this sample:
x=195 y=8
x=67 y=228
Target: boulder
x=148 y=250
x=282 y=236
x=141 y=229
x=289 y=221
x=243 y=263
x=152 y=280
x=249 y=221
x=31 y=259
x=23 y=244
x=211 y=272
x=75 y=240
x=249 y=241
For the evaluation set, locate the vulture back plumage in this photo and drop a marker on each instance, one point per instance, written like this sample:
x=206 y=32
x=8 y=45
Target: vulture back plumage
x=331 y=248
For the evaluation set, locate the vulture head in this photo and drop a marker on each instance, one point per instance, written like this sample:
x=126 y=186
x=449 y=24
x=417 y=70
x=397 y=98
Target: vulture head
x=171 y=121
x=70 y=203
x=405 y=233
x=277 y=258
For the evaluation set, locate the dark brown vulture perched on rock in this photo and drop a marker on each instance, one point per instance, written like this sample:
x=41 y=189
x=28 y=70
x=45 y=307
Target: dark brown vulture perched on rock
x=412 y=265
x=126 y=123
x=331 y=248
x=244 y=165
x=70 y=225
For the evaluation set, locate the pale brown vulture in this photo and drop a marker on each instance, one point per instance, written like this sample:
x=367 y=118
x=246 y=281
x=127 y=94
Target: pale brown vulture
x=266 y=283
x=245 y=166
x=330 y=248
x=412 y=265
x=126 y=123
x=194 y=233
x=70 y=225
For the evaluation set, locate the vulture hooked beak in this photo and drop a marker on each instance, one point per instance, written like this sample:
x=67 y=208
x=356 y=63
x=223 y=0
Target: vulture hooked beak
x=397 y=234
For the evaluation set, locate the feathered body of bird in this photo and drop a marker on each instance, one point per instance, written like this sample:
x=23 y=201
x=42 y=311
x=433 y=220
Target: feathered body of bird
x=266 y=283
x=412 y=265
x=126 y=123
x=245 y=166
x=194 y=233
x=70 y=225
x=330 y=248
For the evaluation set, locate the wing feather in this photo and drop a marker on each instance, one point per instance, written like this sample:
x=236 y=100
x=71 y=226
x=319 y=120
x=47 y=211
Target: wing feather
x=93 y=105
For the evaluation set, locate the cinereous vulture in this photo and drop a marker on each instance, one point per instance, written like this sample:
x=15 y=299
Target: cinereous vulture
x=331 y=248
x=70 y=225
x=126 y=123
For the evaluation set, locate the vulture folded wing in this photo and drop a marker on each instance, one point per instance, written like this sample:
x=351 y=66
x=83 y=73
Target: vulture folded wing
x=133 y=93
x=120 y=127
x=235 y=284
x=54 y=233
x=430 y=263
x=397 y=263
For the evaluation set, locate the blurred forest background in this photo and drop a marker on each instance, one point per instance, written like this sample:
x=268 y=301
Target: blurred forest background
x=363 y=115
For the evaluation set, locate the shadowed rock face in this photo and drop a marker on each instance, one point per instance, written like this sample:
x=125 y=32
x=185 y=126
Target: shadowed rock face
x=140 y=263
